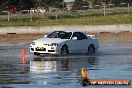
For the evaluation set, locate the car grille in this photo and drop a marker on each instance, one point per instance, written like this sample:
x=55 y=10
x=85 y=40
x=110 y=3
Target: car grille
x=51 y=50
x=40 y=49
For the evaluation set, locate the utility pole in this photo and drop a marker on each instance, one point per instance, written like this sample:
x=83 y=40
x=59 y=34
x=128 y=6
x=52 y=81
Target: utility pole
x=56 y=16
x=8 y=16
x=31 y=14
x=104 y=9
x=128 y=8
x=104 y=6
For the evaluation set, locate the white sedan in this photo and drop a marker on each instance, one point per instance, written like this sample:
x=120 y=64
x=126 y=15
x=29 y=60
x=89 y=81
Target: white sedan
x=65 y=42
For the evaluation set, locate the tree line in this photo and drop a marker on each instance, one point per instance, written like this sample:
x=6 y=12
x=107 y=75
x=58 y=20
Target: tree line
x=115 y=2
x=28 y=4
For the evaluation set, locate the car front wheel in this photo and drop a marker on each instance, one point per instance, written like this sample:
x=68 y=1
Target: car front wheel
x=91 y=50
x=64 y=50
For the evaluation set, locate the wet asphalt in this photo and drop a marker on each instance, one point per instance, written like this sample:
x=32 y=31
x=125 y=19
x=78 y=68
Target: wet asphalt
x=112 y=61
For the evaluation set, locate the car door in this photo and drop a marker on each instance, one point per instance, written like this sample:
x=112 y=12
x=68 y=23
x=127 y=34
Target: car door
x=77 y=43
x=83 y=42
x=72 y=45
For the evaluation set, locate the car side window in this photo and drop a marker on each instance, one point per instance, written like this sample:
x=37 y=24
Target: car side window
x=79 y=35
x=64 y=35
x=76 y=34
x=82 y=35
x=60 y=34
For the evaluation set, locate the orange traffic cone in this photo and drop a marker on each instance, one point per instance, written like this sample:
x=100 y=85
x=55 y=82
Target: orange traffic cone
x=24 y=56
x=84 y=74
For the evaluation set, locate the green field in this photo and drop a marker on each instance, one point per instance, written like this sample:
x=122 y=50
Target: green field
x=86 y=17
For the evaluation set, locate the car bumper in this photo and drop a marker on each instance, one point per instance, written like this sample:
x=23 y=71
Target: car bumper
x=45 y=49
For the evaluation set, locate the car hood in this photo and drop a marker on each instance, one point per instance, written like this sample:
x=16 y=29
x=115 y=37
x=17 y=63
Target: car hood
x=49 y=40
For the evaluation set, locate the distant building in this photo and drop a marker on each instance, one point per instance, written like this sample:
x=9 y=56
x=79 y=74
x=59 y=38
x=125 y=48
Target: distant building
x=69 y=1
x=69 y=4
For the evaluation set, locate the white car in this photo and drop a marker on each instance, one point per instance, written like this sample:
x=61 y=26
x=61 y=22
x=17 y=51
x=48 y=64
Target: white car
x=65 y=42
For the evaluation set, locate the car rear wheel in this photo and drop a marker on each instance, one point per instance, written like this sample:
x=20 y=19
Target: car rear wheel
x=64 y=50
x=91 y=50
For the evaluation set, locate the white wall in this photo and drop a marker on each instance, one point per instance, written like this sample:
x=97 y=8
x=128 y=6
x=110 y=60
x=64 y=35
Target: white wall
x=84 y=28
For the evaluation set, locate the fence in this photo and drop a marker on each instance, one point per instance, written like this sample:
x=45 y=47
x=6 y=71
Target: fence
x=102 y=11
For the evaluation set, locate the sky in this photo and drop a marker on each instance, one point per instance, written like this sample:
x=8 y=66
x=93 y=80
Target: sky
x=69 y=0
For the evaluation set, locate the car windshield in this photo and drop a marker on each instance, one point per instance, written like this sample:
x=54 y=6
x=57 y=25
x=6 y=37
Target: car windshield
x=60 y=34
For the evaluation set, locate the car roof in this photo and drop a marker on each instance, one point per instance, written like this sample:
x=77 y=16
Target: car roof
x=70 y=31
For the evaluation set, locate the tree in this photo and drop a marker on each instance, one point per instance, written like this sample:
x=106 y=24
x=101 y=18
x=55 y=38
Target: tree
x=4 y=4
x=27 y=4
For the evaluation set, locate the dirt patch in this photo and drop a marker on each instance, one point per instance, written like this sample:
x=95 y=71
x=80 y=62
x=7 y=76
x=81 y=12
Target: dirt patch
x=19 y=37
x=104 y=36
x=115 y=37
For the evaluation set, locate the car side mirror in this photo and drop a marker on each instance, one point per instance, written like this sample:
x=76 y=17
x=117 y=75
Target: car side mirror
x=74 y=38
x=45 y=36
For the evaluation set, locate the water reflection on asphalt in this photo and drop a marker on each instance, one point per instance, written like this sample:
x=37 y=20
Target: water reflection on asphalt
x=59 y=71
x=113 y=61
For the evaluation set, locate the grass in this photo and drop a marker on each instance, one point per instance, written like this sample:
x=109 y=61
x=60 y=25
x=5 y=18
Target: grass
x=96 y=17
x=89 y=20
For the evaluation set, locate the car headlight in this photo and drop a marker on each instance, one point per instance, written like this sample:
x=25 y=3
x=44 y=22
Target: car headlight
x=33 y=43
x=53 y=44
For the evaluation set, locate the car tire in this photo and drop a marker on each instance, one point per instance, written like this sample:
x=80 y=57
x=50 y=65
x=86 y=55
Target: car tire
x=64 y=50
x=36 y=54
x=91 y=50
